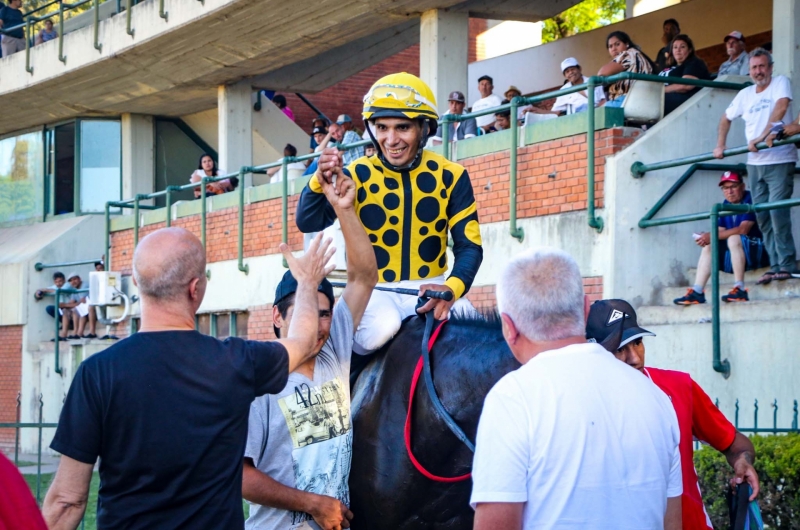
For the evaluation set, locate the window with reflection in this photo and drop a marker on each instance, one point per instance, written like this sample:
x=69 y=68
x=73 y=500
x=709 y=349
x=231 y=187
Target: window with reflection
x=100 y=164
x=21 y=177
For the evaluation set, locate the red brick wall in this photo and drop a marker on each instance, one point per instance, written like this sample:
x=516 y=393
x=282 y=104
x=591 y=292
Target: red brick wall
x=714 y=56
x=484 y=297
x=538 y=193
x=10 y=381
x=346 y=96
x=259 y=323
x=476 y=27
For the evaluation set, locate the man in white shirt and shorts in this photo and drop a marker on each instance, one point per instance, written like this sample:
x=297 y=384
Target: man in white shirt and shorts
x=571 y=440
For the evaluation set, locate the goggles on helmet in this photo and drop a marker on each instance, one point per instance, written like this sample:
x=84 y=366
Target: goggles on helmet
x=405 y=95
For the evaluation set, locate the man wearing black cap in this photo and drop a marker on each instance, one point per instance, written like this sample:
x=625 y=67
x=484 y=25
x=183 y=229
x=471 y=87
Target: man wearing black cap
x=297 y=458
x=741 y=246
x=612 y=323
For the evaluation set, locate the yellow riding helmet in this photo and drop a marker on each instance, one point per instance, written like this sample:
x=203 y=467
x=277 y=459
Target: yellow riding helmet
x=400 y=95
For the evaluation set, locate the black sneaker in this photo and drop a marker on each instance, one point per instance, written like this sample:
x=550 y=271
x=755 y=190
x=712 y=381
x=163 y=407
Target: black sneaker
x=692 y=297
x=736 y=295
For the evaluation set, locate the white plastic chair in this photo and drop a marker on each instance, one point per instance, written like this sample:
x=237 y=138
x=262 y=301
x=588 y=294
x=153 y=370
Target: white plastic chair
x=644 y=102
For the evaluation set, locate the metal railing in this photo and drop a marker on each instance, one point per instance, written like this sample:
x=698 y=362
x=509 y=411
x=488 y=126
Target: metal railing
x=57 y=318
x=638 y=169
x=515 y=231
x=39 y=267
x=755 y=429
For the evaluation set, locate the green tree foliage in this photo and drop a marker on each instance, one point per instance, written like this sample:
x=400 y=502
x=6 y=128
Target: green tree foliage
x=588 y=15
x=778 y=467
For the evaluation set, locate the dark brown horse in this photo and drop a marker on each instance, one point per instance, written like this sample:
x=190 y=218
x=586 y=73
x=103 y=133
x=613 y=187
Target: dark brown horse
x=386 y=491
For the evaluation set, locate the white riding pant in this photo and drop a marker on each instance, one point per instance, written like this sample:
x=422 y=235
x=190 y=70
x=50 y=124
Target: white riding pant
x=386 y=311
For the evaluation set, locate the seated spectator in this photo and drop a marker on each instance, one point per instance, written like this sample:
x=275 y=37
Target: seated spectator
x=487 y=101
x=99 y=266
x=738 y=62
x=577 y=101
x=280 y=102
x=276 y=172
x=626 y=57
x=671 y=30
x=207 y=167
x=349 y=136
x=46 y=33
x=459 y=130
x=741 y=246
x=81 y=311
x=687 y=65
x=369 y=150
x=510 y=94
x=320 y=122
x=58 y=283
x=502 y=119
x=11 y=16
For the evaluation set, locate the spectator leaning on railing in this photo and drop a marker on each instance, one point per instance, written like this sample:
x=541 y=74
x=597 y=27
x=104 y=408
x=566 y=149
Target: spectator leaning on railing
x=741 y=246
x=58 y=283
x=764 y=106
x=46 y=33
x=349 y=137
x=207 y=167
x=458 y=130
x=11 y=16
x=687 y=65
x=625 y=57
x=738 y=62
x=577 y=101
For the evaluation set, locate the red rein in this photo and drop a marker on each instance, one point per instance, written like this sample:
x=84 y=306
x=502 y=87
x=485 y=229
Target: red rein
x=407 y=430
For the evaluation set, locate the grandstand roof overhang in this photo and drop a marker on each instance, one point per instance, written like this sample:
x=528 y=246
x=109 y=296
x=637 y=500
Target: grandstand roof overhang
x=174 y=67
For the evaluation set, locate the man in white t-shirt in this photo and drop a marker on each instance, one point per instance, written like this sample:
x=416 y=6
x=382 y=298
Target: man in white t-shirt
x=766 y=105
x=571 y=440
x=487 y=101
x=577 y=101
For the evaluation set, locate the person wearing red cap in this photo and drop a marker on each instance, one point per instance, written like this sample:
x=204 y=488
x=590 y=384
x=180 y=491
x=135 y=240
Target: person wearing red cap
x=738 y=62
x=741 y=246
x=612 y=324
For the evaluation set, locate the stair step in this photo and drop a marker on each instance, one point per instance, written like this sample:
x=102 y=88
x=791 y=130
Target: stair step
x=771 y=291
x=786 y=309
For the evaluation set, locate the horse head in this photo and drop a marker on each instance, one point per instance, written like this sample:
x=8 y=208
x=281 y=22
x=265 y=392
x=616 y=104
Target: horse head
x=386 y=490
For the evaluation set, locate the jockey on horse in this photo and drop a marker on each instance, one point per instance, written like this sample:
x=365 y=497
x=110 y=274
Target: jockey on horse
x=407 y=198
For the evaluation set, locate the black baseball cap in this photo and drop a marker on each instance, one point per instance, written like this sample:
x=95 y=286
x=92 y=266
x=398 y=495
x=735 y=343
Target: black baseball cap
x=604 y=322
x=288 y=285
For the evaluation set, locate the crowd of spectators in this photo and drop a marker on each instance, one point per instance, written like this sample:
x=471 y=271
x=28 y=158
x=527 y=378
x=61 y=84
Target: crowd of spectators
x=76 y=315
x=12 y=21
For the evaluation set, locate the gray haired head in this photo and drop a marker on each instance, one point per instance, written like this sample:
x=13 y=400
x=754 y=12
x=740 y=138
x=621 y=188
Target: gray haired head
x=541 y=290
x=761 y=52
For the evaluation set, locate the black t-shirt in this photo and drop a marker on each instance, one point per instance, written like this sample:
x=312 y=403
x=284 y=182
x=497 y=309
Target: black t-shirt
x=693 y=66
x=167 y=414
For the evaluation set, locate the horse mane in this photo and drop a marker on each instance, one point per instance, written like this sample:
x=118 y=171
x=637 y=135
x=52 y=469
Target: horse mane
x=484 y=318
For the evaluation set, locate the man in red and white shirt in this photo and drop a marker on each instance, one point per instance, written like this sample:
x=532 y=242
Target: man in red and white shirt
x=613 y=324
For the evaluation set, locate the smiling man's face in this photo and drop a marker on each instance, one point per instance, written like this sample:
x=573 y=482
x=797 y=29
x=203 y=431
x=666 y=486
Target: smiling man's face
x=398 y=139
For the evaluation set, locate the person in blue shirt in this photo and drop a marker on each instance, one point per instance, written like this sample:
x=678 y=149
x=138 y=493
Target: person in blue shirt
x=741 y=246
x=11 y=17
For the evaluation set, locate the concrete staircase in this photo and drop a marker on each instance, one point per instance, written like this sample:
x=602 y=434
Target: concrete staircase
x=760 y=339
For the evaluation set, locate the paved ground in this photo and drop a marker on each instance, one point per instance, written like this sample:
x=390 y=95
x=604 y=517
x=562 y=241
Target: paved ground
x=49 y=464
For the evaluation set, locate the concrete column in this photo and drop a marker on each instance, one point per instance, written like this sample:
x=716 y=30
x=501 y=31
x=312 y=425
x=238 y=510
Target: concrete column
x=138 y=155
x=444 y=36
x=234 y=105
x=786 y=43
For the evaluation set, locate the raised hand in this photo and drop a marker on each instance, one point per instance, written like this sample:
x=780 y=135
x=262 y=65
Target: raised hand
x=329 y=160
x=341 y=191
x=311 y=267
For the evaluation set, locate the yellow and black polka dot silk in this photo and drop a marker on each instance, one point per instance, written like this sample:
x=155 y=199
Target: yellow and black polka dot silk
x=407 y=215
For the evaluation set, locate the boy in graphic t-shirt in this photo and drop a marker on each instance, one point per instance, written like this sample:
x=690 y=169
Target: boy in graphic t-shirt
x=297 y=458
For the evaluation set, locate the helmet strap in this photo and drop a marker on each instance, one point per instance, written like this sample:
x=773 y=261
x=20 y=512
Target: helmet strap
x=417 y=159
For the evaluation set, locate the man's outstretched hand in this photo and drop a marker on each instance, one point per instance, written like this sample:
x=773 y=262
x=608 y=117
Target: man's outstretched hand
x=311 y=268
x=340 y=191
x=329 y=160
